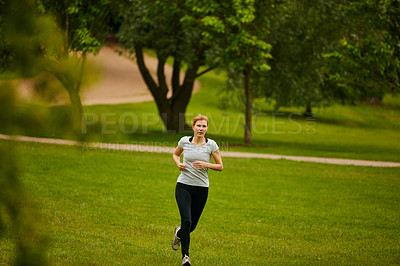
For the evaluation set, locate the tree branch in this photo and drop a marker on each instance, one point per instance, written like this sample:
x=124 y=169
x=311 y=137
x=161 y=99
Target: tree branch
x=163 y=87
x=205 y=71
x=148 y=79
x=82 y=68
x=185 y=90
x=176 y=75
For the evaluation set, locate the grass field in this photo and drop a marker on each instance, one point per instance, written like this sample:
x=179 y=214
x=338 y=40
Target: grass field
x=118 y=208
x=355 y=132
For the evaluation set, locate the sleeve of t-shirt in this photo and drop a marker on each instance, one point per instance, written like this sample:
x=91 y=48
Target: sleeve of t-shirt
x=214 y=147
x=180 y=143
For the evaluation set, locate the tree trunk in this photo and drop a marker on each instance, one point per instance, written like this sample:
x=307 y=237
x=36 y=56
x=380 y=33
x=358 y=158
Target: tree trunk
x=173 y=118
x=308 y=112
x=72 y=87
x=78 y=122
x=171 y=110
x=247 y=88
x=76 y=103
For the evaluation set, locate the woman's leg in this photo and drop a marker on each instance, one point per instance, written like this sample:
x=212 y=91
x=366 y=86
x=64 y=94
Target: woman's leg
x=199 y=200
x=191 y=201
x=184 y=200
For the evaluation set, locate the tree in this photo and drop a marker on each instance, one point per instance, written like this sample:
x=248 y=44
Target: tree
x=84 y=25
x=246 y=51
x=193 y=34
x=158 y=25
x=366 y=63
x=301 y=33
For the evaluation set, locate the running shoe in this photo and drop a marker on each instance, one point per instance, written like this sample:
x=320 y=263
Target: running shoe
x=177 y=241
x=186 y=261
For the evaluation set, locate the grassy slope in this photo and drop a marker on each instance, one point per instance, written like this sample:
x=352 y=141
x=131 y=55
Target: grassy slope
x=102 y=207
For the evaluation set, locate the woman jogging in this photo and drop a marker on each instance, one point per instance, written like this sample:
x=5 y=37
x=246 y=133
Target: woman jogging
x=192 y=186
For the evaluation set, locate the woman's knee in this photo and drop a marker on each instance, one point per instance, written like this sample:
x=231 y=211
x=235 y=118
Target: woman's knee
x=187 y=223
x=193 y=225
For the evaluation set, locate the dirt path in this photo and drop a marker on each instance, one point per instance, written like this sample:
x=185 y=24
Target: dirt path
x=161 y=149
x=119 y=81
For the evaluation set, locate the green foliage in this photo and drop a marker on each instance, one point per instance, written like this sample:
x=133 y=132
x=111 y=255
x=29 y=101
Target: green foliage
x=5 y=49
x=359 y=71
x=301 y=32
x=366 y=63
x=232 y=95
x=16 y=51
x=156 y=25
x=221 y=31
x=83 y=23
x=325 y=51
x=237 y=30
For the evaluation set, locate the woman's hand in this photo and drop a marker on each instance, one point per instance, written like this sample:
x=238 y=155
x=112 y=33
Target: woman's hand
x=200 y=164
x=182 y=166
x=176 y=156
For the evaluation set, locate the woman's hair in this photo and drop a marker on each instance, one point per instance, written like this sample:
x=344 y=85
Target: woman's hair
x=198 y=118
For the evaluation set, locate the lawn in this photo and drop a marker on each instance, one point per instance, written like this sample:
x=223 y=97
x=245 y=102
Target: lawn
x=356 y=132
x=117 y=208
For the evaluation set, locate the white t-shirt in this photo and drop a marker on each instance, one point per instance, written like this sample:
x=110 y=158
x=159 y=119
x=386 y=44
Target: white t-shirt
x=192 y=176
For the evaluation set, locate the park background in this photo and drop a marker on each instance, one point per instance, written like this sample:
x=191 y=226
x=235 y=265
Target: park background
x=305 y=78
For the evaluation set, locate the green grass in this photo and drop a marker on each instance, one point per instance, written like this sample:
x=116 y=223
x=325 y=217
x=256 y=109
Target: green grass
x=354 y=132
x=111 y=208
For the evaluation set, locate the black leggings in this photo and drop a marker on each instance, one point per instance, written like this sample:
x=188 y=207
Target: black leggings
x=191 y=201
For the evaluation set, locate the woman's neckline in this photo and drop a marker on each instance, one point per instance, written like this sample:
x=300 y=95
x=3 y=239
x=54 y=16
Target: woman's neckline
x=191 y=139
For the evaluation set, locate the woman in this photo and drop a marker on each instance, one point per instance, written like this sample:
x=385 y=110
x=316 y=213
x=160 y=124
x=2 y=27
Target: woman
x=192 y=186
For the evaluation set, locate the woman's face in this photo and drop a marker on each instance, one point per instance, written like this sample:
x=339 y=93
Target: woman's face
x=200 y=128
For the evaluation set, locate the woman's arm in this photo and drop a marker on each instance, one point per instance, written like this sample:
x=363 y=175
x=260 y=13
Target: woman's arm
x=176 y=155
x=217 y=166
